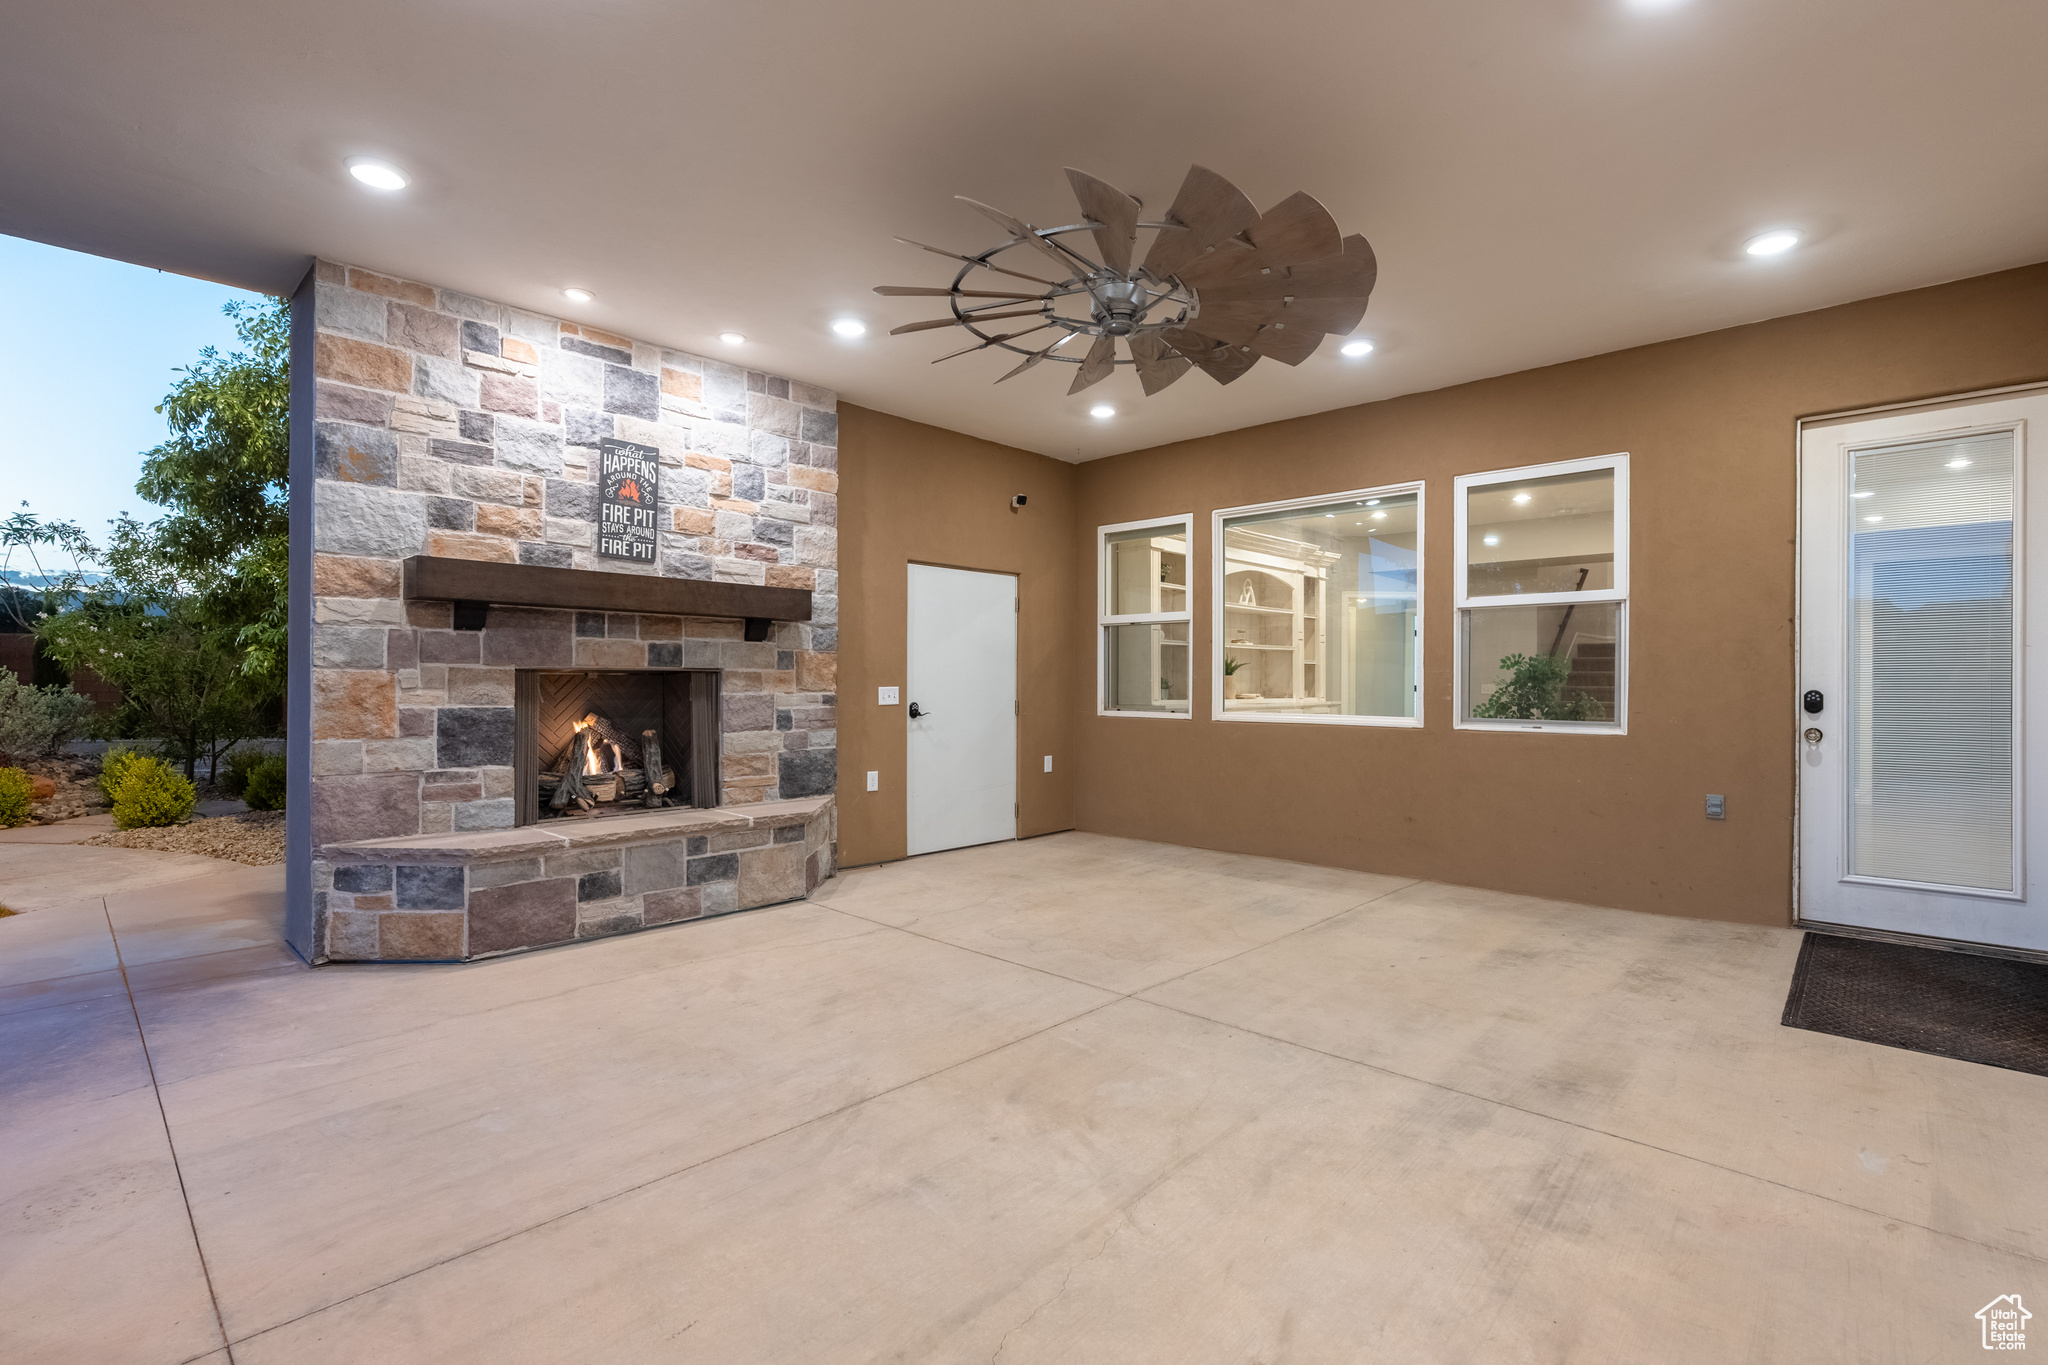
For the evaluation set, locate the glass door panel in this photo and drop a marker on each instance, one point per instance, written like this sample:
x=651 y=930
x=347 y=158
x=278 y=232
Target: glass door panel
x=1932 y=715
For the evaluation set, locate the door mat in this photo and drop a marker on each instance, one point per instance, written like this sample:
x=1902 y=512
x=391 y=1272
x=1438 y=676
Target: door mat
x=1975 y=1009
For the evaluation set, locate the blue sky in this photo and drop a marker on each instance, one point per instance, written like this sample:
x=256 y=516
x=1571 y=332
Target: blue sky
x=87 y=350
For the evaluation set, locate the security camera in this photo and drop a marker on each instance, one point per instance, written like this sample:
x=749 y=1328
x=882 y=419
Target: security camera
x=1017 y=501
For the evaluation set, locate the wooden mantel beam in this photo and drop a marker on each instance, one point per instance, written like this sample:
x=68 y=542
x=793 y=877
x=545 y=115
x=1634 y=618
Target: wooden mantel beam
x=432 y=579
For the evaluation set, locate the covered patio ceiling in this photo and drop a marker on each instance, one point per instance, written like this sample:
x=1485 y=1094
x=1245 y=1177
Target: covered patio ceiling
x=1541 y=180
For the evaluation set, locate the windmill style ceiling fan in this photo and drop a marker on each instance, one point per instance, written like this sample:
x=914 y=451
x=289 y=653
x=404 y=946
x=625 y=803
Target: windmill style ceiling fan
x=1220 y=286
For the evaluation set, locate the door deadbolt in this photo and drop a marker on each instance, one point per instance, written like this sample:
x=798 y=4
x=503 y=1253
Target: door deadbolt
x=1813 y=735
x=1813 y=701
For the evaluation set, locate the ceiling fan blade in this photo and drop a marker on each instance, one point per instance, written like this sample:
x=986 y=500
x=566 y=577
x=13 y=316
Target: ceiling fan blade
x=955 y=322
x=1220 y=362
x=1349 y=275
x=1288 y=345
x=1210 y=209
x=1037 y=356
x=1099 y=365
x=1334 y=316
x=1296 y=229
x=1116 y=211
x=983 y=346
x=1157 y=365
x=956 y=256
x=925 y=292
x=1017 y=227
x=1226 y=260
x=1238 y=321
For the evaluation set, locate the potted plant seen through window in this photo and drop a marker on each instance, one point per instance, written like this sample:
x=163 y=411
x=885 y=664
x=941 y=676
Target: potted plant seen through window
x=1535 y=690
x=1230 y=667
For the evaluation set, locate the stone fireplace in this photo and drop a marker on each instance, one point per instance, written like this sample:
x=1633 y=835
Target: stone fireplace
x=504 y=524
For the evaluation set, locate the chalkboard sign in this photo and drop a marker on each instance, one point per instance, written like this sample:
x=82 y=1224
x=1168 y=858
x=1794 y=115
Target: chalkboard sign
x=629 y=488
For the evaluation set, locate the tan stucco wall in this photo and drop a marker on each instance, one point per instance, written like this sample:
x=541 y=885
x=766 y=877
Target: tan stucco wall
x=911 y=493
x=1708 y=422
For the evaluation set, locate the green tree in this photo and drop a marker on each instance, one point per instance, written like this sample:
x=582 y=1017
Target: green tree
x=187 y=614
x=224 y=476
x=180 y=672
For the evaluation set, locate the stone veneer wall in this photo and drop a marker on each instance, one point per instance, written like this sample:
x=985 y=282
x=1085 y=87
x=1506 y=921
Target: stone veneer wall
x=450 y=425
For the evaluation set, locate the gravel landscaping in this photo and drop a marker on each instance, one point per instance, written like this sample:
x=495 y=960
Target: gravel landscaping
x=256 y=838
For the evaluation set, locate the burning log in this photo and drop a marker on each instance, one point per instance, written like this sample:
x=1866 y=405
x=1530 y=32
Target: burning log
x=584 y=761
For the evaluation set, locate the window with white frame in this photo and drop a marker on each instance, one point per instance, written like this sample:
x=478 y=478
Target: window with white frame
x=1144 y=617
x=1542 y=597
x=1318 y=609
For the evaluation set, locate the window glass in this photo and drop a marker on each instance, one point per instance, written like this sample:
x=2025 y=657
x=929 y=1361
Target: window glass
x=1143 y=585
x=1540 y=535
x=1542 y=663
x=1318 y=615
x=1145 y=571
x=1146 y=666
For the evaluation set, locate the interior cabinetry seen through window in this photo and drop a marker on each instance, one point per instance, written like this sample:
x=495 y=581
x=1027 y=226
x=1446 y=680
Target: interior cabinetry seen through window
x=1543 y=597
x=1145 y=616
x=1317 y=610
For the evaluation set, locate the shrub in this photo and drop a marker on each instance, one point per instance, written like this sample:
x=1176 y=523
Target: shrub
x=233 y=777
x=17 y=795
x=1534 y=690
x=265 y=788
x=114 y=766
x=152 y=792
x=35 y=721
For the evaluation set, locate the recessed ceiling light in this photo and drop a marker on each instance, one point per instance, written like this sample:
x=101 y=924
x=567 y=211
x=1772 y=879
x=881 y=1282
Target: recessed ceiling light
x=1356 y=348
x=378 y=175
x=1101 y=410
x=1521 y=497
x=849 y=327
x=1372 y=502
x=1873 y=518
x=732 y=338
x=1957 y=463
x=1871 y=494
x=578 y=295
x=1491 y=540
x=1379 y=516
x=1774 y=243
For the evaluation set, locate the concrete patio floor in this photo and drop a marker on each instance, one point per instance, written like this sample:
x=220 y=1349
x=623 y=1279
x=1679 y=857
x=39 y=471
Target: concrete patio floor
x=1073 y=1100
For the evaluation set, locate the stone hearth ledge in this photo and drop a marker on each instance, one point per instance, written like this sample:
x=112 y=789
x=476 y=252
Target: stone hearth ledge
x=455 y=897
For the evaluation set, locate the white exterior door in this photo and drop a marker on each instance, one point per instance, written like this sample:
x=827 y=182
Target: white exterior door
x=962 y=705
x=1919 y=531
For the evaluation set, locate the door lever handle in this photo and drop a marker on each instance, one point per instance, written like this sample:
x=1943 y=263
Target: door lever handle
x=916 y=714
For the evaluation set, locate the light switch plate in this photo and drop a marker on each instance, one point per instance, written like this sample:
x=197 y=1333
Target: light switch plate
x=1717 y=807
x=874 y=782
x=1048 y=762
x=885 y=696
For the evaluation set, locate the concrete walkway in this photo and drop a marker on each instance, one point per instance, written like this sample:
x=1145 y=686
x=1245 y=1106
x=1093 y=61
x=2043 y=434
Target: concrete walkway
x=1072 y=1100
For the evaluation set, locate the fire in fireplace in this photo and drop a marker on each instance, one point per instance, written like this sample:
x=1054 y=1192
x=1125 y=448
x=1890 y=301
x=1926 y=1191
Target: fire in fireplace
x=593 y=743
